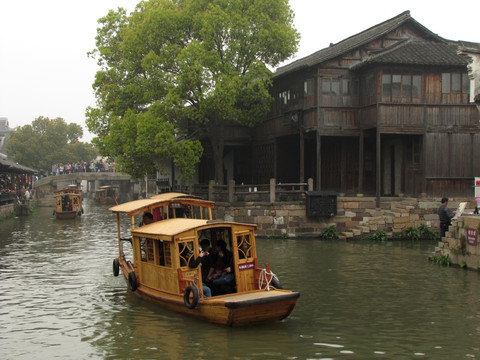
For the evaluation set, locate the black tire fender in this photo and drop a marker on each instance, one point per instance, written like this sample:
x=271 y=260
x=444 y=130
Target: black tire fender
x=276 y=283
x=191 y=303
x=132 y=280
x=116 y=267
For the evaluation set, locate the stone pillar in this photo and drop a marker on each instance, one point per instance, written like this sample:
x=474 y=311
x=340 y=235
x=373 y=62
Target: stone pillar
x=272 y=190
x=231 y=191
x=310 y=184
x=211 y=194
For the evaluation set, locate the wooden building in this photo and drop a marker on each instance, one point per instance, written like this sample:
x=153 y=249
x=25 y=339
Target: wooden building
x=385 y=112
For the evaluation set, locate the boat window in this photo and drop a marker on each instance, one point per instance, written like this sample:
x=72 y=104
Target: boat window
x=163 y=253
x=185 y=252
x=244 y=245
x=146 y=250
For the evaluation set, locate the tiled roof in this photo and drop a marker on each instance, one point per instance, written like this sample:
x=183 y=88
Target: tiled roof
x=469 y=46
x=417 y=52
x=353 y=42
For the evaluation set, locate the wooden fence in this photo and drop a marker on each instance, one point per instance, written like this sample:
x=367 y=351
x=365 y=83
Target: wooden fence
x=272 y=192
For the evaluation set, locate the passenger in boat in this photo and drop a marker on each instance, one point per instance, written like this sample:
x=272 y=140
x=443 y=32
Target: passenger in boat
x=221 y=274
x=157 y=215
x=68 y=205
x=205 y=259
x=147 y=218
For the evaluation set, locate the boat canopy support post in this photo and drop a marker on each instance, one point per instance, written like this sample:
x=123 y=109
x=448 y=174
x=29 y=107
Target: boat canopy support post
x=118 y=235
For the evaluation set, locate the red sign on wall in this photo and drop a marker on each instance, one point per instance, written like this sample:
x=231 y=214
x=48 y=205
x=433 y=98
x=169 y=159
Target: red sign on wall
x=472 y=236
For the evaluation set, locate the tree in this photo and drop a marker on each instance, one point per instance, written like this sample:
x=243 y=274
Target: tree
x=204 y=63
x=46 y=142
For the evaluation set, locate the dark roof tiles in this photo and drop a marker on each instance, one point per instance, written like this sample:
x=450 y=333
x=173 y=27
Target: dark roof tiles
x=356 y=41
x=417 y=52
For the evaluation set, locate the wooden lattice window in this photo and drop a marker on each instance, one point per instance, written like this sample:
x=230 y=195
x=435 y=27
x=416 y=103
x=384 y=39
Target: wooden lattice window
x=185 y=252
x=244 y=245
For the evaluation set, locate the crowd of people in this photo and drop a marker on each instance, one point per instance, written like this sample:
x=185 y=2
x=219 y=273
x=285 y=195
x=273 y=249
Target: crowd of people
x=20 y=185
x=82 y=166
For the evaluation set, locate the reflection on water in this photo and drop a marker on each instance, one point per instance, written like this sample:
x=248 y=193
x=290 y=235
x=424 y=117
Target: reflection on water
x=60 y=300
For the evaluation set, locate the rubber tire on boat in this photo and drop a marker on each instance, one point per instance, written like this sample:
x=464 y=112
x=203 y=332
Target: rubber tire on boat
x=276 y=283
x=116 y=267
x=186 y=297
x=132 y=281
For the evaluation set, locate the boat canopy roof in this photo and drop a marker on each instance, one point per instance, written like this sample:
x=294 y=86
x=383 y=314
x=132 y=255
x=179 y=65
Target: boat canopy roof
x=169 y=227
x=68 y=190
x=105 y=187
x=172 y=227
x=137 y=206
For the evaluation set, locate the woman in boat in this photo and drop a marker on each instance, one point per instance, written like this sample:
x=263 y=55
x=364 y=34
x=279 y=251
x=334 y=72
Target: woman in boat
x=221 y=273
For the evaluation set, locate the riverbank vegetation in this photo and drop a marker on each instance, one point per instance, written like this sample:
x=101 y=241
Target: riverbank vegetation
x=46 y=142
x=423 y=232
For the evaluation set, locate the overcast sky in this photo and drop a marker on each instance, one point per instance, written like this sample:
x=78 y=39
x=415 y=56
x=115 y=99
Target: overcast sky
x=44 y=69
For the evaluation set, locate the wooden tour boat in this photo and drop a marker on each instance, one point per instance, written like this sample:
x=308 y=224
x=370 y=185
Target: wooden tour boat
x=107 y=194
x=68 y=203
x=164 y=253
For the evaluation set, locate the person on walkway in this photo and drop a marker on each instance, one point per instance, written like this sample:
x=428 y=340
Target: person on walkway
x=445 y=215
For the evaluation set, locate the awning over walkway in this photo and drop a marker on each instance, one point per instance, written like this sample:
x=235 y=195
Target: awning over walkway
x=8 y=166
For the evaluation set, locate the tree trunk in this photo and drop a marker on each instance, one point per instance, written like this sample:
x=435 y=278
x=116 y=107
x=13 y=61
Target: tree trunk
x=216 y=135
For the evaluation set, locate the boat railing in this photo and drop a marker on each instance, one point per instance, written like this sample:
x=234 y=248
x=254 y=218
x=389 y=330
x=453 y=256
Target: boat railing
x=185 y=282
x=263 y=276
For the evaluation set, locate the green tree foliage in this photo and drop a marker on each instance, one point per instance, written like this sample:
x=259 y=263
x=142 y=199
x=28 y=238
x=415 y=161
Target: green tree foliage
x=46 y=142
x=201 y=65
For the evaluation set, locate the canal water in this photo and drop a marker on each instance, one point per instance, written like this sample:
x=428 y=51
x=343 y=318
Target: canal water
x=59 y=300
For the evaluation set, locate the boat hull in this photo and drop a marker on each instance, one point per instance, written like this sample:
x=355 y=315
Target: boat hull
x=66 y=215
x=235 y=309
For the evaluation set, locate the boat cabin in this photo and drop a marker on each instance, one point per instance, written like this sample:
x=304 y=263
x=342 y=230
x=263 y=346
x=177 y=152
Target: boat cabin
x=107 y=194
x=68 y=203
x=165 y=250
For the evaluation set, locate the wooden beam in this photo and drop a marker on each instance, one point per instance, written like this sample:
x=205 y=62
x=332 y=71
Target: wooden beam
x=378 y=184
x=361 y=162
x=319 y=161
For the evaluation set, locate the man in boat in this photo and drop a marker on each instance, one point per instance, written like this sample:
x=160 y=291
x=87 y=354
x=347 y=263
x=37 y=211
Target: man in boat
x=205 y=259
x=146 y=219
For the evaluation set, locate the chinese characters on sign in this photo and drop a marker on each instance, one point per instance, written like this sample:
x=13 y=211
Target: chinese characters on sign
x=246 y=266
x=472 y=236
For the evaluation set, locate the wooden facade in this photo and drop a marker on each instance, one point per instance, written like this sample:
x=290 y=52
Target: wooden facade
x=384 y=112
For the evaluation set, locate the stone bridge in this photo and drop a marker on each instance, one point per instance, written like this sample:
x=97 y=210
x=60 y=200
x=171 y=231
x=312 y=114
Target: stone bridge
x=88 y=182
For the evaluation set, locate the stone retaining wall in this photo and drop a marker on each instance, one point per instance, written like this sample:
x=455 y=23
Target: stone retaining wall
x=356 y=216
x=461 y=243
x=6 y=210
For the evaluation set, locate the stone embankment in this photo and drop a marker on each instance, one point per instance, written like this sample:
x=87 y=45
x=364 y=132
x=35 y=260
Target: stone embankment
x=356 y=216
x=461 y=244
